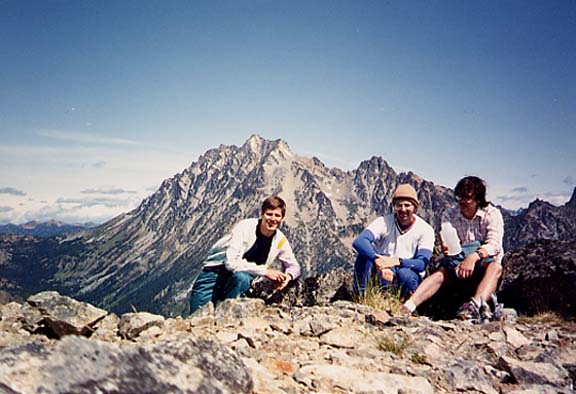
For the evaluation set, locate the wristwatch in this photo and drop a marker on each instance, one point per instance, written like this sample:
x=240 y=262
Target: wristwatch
x=479 y=253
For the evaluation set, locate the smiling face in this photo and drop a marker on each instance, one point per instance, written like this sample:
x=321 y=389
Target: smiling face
x=404 y=210
x=270 y=221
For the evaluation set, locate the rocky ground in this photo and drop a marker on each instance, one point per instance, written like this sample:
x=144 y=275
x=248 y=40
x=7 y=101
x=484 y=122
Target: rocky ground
x=54 y=344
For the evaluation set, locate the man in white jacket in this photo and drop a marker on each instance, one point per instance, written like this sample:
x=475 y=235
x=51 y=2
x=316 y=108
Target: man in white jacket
x=245 y=253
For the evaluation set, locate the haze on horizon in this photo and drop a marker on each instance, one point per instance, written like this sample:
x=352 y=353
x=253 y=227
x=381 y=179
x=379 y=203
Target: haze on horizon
x=102 y=101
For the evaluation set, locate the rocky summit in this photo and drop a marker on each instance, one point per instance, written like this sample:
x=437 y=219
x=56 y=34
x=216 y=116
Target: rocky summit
x=55 y=344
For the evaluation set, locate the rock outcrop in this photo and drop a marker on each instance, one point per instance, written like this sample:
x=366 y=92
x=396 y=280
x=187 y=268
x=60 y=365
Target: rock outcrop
x=246 y=346
x=541 y=221
x=541 y=277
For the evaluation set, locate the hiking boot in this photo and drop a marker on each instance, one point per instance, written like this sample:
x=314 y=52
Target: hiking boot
x=500 y=313
x=484 y=312
x=497 y=308
x=406 y=312
x=469 y=311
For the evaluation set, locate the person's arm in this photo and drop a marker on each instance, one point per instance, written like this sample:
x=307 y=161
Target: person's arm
x=289 y=263
x=419 y=262
x=242 y=234
x=492 y=245
x=363 y=245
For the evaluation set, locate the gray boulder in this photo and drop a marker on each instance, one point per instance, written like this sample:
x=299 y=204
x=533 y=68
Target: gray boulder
x=541 y=373
x=64 y=315
x=15 y=316
x=131 y=325
x=181 y=364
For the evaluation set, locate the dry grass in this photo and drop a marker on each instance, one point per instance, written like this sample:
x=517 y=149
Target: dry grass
x=395 y=344
x=542 y=318
x=378 y=298
x=419 y=358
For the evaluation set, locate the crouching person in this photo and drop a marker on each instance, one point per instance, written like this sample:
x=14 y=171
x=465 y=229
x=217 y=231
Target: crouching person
x=396 y=247
x=245 y=253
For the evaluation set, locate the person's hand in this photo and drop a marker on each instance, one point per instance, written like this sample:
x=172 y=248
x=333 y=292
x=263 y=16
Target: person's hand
x=284 y=283
x=466 y=267
x=387 y=274
x=383 y=262
x=275 y=275
x=444 y=249
x=280 y=279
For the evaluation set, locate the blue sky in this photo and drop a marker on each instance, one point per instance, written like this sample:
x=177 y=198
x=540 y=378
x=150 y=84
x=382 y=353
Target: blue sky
x=102 y=100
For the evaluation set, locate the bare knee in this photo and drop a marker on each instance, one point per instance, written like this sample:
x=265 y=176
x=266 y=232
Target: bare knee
x=494 y=270
x=440 y=276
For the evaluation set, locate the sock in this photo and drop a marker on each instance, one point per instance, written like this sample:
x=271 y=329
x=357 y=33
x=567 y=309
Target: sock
x=410 y=306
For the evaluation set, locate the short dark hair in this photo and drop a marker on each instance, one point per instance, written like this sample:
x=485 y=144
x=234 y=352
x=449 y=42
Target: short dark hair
x=274 y=202
x=472 y=185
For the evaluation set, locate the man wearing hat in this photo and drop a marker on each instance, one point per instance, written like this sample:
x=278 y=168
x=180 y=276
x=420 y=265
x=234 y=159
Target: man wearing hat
x=397 y=247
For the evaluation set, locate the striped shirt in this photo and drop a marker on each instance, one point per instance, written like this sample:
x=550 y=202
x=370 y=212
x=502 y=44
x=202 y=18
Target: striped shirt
x=487 y=226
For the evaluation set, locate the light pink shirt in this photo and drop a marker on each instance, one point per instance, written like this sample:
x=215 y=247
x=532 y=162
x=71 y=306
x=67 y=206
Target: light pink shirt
x=487 y=226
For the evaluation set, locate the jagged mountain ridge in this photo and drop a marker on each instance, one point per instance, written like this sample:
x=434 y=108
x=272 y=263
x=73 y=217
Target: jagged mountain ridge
x=149 y=257
x=43 y=229
x=541 y=221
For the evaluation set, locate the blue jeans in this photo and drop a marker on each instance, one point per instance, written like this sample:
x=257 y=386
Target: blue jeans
x=404 y=278
x=217 y=284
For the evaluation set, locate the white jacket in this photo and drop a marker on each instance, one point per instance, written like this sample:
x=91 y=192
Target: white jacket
x=230 y=249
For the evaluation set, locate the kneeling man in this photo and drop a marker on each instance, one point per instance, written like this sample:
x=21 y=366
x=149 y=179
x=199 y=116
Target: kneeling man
x=247 y=252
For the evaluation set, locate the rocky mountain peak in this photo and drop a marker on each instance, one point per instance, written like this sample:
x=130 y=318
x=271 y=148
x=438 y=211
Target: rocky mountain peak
x=375 y=165
x=572 y=201
x=538 y=204
x=262 y=147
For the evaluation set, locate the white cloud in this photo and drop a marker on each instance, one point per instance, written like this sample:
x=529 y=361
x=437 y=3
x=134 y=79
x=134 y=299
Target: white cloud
x=91 y=202
x=518 y=199
x=83 y=137
x=112 y=191
x=11 y=191
x=73 y=210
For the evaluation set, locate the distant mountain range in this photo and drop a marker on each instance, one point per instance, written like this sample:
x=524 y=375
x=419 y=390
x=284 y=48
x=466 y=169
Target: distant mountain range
x=148 y=258
x=44 y=229
x=540 y=221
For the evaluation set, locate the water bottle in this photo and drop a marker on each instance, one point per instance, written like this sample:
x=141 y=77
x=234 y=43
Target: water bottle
x=450 y=238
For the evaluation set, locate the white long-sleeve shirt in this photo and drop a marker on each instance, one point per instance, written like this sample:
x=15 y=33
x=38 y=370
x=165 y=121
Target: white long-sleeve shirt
x=230 y=249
